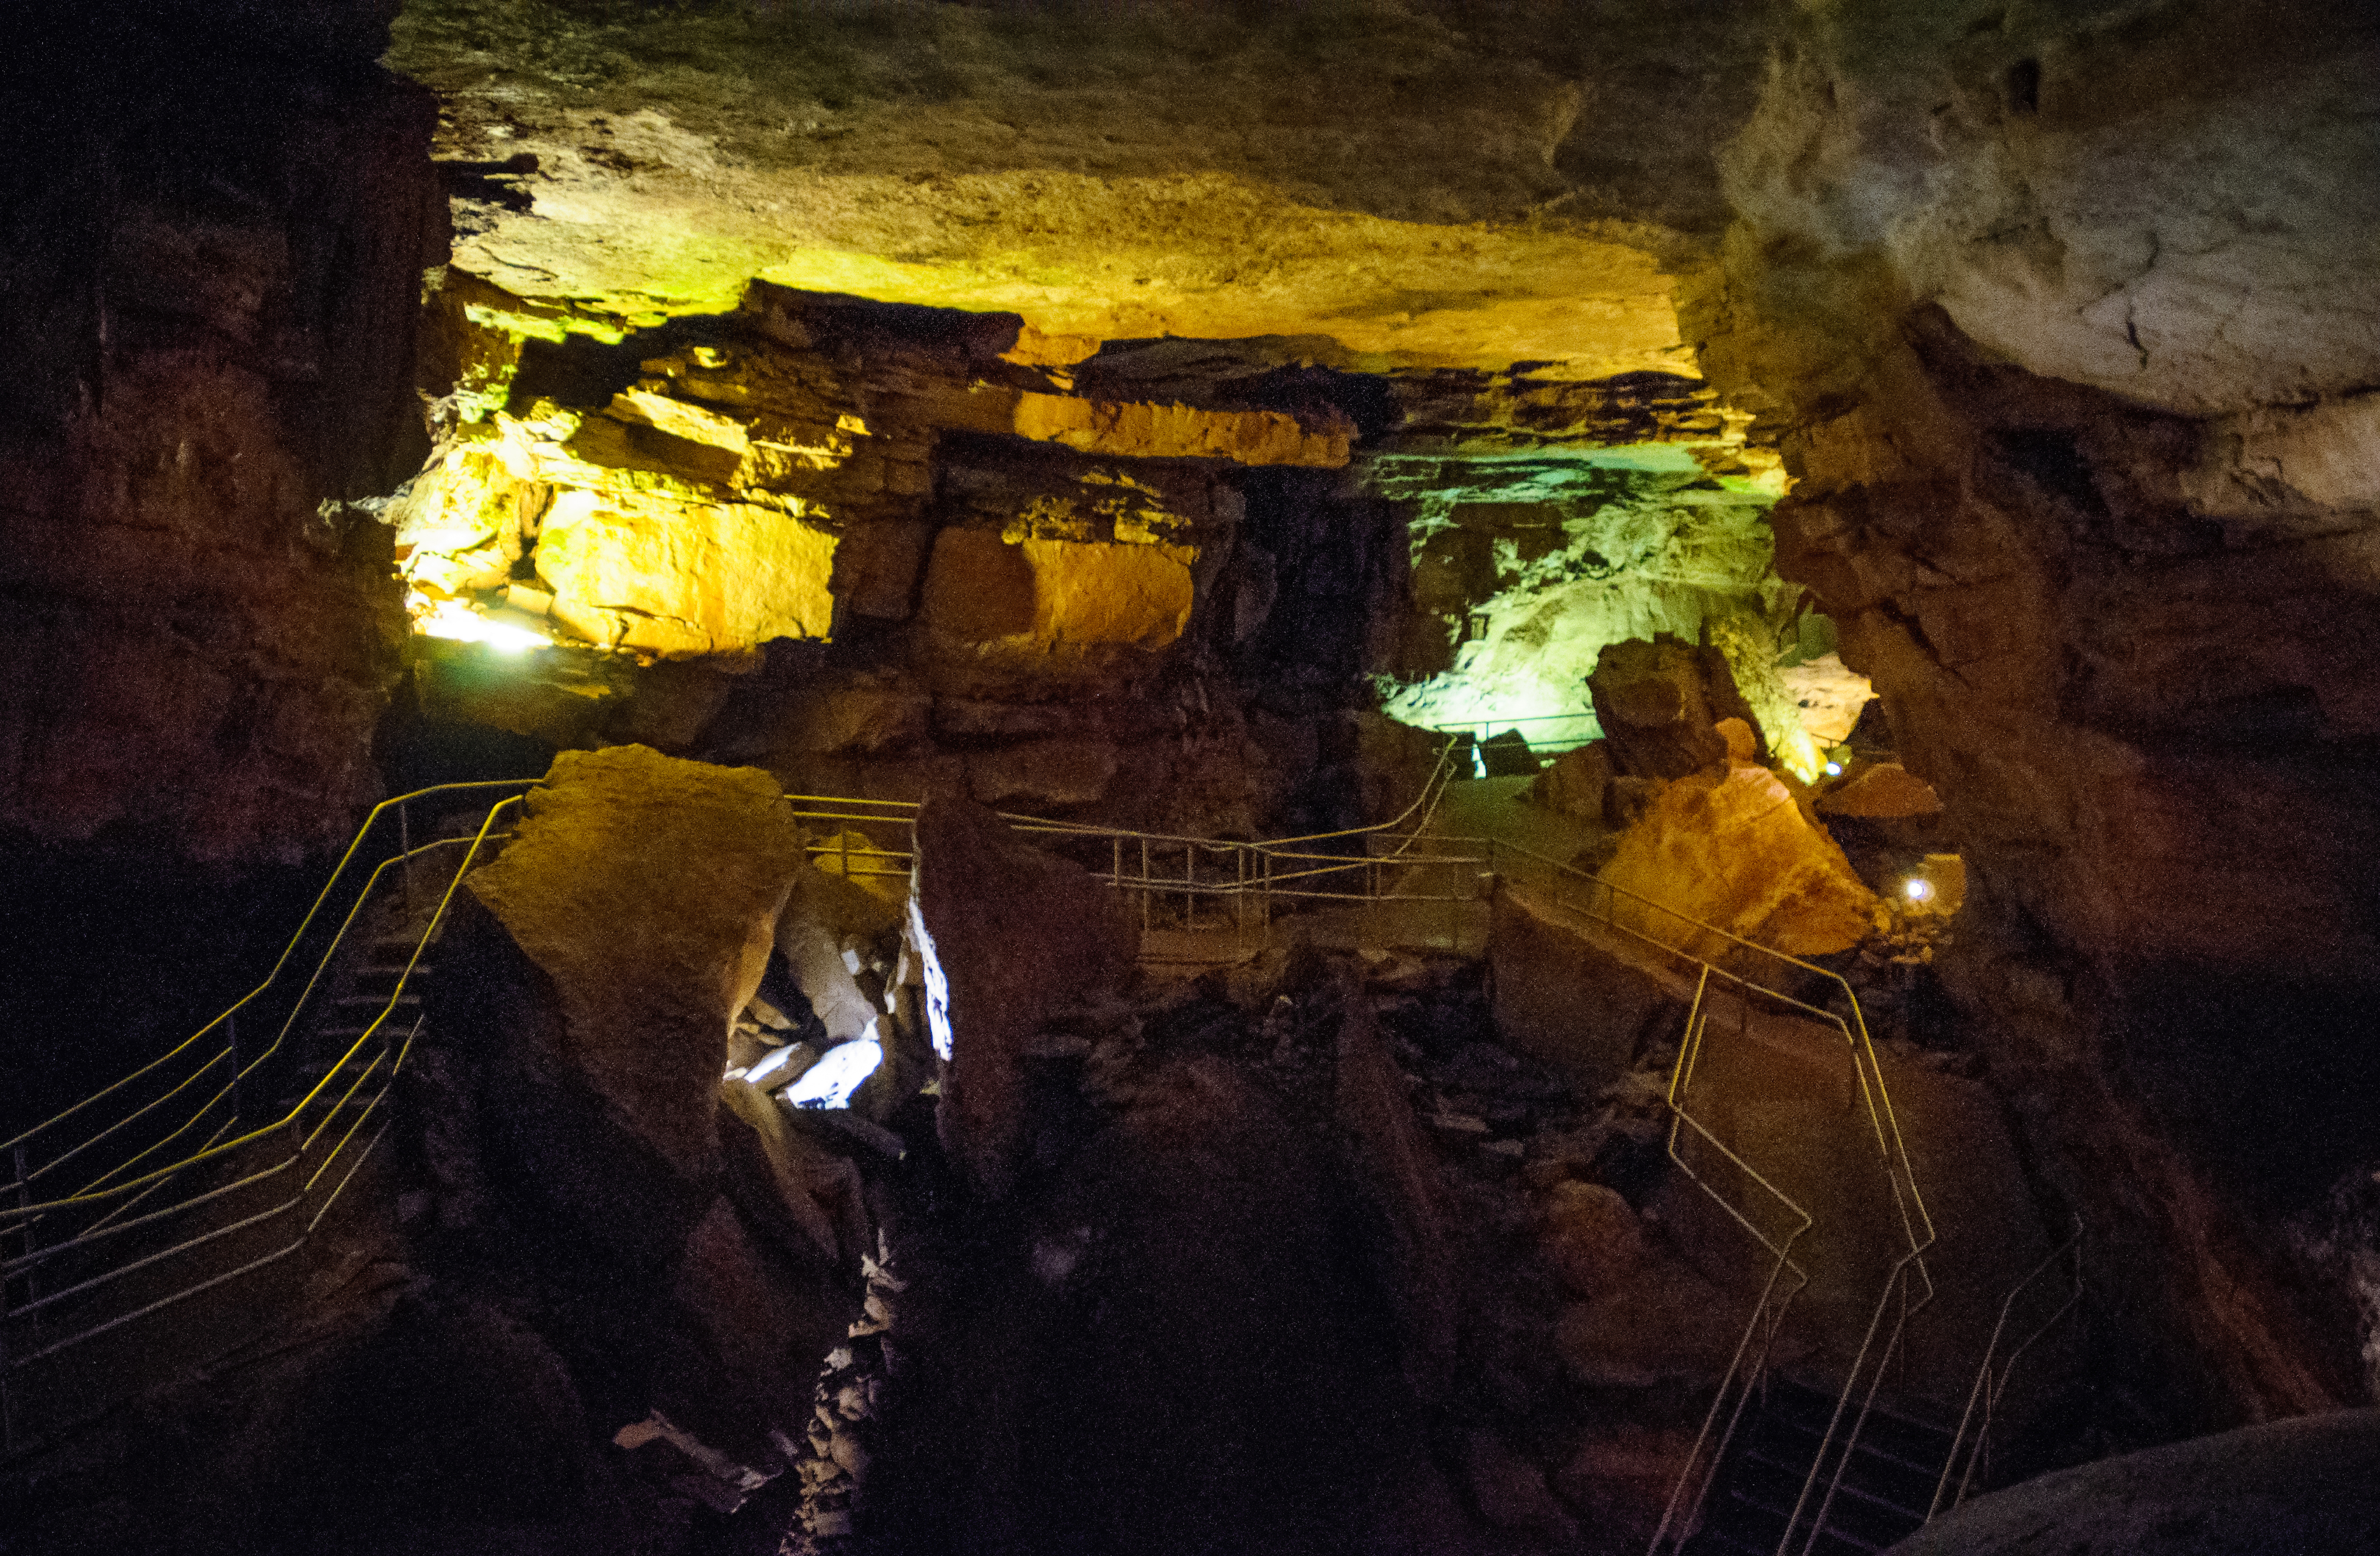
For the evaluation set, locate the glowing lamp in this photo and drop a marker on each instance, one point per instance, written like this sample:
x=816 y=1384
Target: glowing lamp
x=1919 y=890
x=1834 y=770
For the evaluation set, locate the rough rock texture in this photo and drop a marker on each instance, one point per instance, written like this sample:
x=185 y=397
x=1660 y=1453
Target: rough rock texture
x=1660 y=702
x=648 y=890
x=1577 y=781
x=1430 y=184
x=2302 y=1485
x=1887 y=791
x=1011 y=936
x=2055 y=312
x=1733 y=849
x=1533 y=548
x=207 y=302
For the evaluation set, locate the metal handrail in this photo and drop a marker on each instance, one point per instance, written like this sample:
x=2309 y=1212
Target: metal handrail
x=1878 y=1344
x=27 y=1135
x=1988 y=1385
x=302 y=1145
x=1786 y=1278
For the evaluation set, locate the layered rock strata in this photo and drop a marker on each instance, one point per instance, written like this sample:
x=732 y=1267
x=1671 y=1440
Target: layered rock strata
x=209 y=301
x=2057 y=311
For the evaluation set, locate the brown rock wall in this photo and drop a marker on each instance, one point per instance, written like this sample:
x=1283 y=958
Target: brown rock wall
x=214 y=294
x=2057 y=442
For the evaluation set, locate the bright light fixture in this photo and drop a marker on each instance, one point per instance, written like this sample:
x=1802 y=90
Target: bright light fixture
x=1919 y=890
x=831 y=1082
x=1834 y=770
x=454 y=620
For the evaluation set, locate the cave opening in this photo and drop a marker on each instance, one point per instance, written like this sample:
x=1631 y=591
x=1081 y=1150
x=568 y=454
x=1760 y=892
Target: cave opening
x=877 y=776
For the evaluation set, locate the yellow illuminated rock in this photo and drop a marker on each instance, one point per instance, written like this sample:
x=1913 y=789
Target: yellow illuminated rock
x=1045 y=594
x=1734 y=851
x=647 y=889
x=683 y=578
x=1175 y=431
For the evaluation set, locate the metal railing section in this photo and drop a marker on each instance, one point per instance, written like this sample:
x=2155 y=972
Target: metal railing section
x=135 y=1216
x=1388 y=858
x=1173 y=875
x=1970 y=1457
x=1907 y=1287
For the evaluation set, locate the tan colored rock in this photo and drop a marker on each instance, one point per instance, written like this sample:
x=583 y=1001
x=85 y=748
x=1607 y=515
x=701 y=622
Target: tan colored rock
x=1576 y=782
x=683 y=578
x=1009 y=934
x=1039 y=595
x=1571 y=994
x=1177 y=431
x=1887 y=791
x=1734 y=851
x=1830 y=695
x=1592 y=1237
x=1743 y=745
x=1658 y=703
x=819 y=1191
x=647 y=889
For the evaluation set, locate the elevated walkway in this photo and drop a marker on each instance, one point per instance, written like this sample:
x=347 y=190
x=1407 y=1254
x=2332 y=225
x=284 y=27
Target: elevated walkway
x=215 y=1164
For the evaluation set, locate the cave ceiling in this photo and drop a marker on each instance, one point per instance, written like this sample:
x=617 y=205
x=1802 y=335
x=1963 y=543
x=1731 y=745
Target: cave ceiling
x=1370 y=186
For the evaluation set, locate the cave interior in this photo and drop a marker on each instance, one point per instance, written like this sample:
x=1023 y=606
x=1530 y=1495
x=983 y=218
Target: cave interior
x=846 y=776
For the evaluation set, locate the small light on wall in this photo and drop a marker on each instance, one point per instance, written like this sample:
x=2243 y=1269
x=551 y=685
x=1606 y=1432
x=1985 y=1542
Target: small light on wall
x=1834 y=770
x=1918 y=889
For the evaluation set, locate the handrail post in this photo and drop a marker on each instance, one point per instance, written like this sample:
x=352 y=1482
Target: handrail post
x=231 y=1038
x=25 y=1228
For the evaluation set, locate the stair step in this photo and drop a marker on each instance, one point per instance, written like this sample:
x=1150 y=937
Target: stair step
x=1873 y=1463
x=1847 y=1487
x=1856 y=1519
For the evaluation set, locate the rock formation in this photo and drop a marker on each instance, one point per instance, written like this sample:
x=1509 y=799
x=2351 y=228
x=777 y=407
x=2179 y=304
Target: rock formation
x=1731 y=847
x=647 y=890
x=1010 y=936
x=2053 y=310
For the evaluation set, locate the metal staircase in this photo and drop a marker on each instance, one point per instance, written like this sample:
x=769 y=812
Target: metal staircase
x=185 y=1185
x=1760 y=1498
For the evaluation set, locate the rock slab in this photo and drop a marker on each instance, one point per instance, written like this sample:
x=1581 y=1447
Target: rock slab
x=1010 y=935
x=647 y=889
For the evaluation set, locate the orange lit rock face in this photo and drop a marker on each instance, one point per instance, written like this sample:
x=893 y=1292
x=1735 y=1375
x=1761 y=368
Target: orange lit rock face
x=739 y=493
x=1031 y=596
x=1733 y=850
x=684 y=577
x=648 y=890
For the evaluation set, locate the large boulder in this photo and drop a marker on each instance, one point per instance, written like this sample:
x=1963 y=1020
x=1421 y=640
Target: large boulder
x=2298 y=1485
x=1573 y=995
x=647 y=890
x=1733 y=850
x=1659 y=703
x=1577 y=781
x=1009 y=935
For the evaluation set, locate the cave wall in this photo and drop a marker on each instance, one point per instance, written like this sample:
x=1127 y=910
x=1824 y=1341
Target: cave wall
x=2068 y=329
x=212 y=276
x=212 y=233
